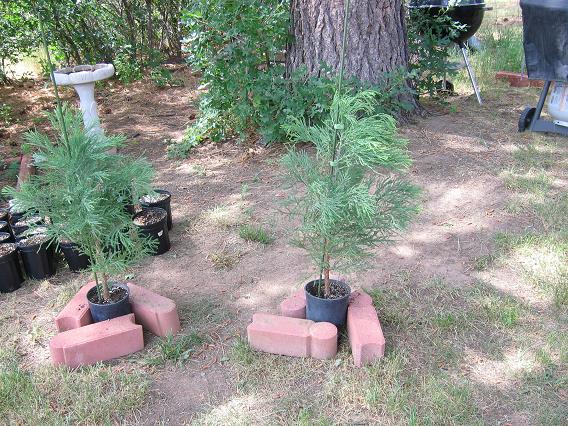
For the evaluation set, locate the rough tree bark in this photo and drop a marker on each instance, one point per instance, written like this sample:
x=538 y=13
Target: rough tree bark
x=377 y=41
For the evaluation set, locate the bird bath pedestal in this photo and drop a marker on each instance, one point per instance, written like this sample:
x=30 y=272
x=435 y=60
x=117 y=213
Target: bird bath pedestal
x=83 y=78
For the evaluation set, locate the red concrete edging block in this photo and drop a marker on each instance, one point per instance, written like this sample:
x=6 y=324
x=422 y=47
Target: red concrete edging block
x=292 y=336
x=96 y=342
x=156 y=313
x=364 y=329
x=76 y=313
x=294 y=306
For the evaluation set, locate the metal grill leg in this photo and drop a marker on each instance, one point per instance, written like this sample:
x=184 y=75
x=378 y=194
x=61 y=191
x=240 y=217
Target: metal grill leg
x=471 y=73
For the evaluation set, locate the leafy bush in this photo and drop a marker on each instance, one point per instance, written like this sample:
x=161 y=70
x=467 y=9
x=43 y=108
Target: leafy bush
x=239 y=48
x=163 y=77
x=5 y=114
x=429 y=43
x=127 y=67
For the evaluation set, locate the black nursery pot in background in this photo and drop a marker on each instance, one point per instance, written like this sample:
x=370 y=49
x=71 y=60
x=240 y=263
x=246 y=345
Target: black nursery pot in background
x=38 y=256
x=118 y=306
x=76 y=260
x=328 y=310
x=153 y=223
x=10 y=272
x=162 y=201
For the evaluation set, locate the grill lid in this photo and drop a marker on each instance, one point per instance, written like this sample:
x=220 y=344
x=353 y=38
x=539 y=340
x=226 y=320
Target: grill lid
x=448 y=3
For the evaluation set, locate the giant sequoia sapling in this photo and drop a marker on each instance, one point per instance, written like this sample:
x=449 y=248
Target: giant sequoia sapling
x=79 y=186
x=350 y=197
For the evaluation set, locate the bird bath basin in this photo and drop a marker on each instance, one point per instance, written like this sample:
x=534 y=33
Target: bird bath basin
x=83 y=78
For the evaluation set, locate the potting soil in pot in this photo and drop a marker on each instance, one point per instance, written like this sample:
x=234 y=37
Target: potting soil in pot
x=6 y=249
x=149 y=217
x=337 y=291
x=154 y=198
x=116 y=295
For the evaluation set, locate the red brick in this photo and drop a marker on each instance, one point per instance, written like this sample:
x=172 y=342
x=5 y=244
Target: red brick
x=156 y=313
x=76 y=313
x=96 y=342
x=365 y=334
x=292 y=336
x=294 y=306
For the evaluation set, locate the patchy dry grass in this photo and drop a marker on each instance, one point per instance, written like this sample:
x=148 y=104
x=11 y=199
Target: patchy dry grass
x=48 y=395
x=255 y=233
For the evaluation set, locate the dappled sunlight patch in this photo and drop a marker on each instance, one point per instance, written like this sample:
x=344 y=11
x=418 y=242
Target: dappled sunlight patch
x=226 y=215
x=254 y=408
x=502 y=373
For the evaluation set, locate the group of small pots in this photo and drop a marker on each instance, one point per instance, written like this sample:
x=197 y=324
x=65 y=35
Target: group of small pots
x=32 y=247
x=36 y=252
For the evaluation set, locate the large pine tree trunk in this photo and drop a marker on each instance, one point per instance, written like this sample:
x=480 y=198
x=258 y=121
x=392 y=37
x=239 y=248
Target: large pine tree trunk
x=377 y=40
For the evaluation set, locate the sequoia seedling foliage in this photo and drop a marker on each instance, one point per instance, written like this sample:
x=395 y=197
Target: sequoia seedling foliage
x=349 y=197
x=83 y=190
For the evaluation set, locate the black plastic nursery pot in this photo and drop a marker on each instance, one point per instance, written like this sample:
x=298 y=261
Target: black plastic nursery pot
x=38 y=256
x=153 y=223
x=334 y=310
x=10 y=272
x=117 y=307
x=162 y=201
x=76 y=260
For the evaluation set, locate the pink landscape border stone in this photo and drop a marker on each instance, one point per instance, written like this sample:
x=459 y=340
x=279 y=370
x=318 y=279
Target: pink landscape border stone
x=363 y=325
x=292 y=336
x=96 y=342
x=153 y=311
x=82 y=342
x=364 y=330
x=76 y=313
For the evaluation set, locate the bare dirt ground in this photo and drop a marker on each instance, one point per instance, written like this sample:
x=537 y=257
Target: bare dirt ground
x=443 y=337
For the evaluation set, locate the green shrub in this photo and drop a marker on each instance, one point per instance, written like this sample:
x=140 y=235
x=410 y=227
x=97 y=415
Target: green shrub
x=127 y=66
x=429 y=43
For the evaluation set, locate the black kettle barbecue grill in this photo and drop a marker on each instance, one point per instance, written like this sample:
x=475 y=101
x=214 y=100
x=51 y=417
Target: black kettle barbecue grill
x=469 y=13
x=545 y=27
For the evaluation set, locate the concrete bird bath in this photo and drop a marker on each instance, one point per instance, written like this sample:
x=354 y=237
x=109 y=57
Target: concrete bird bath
x=83 y=78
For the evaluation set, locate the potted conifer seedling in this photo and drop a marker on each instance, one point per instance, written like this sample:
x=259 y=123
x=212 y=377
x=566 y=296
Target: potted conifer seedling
x=349 y=197
x=80 y=187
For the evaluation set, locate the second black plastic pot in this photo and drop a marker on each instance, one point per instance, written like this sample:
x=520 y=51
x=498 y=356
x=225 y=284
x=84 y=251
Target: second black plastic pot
x=163 y=204
x=39 y=261
x=327 y=310
x=76 y=260
x=10 y=272
x=157 y=231
x=105 y=311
